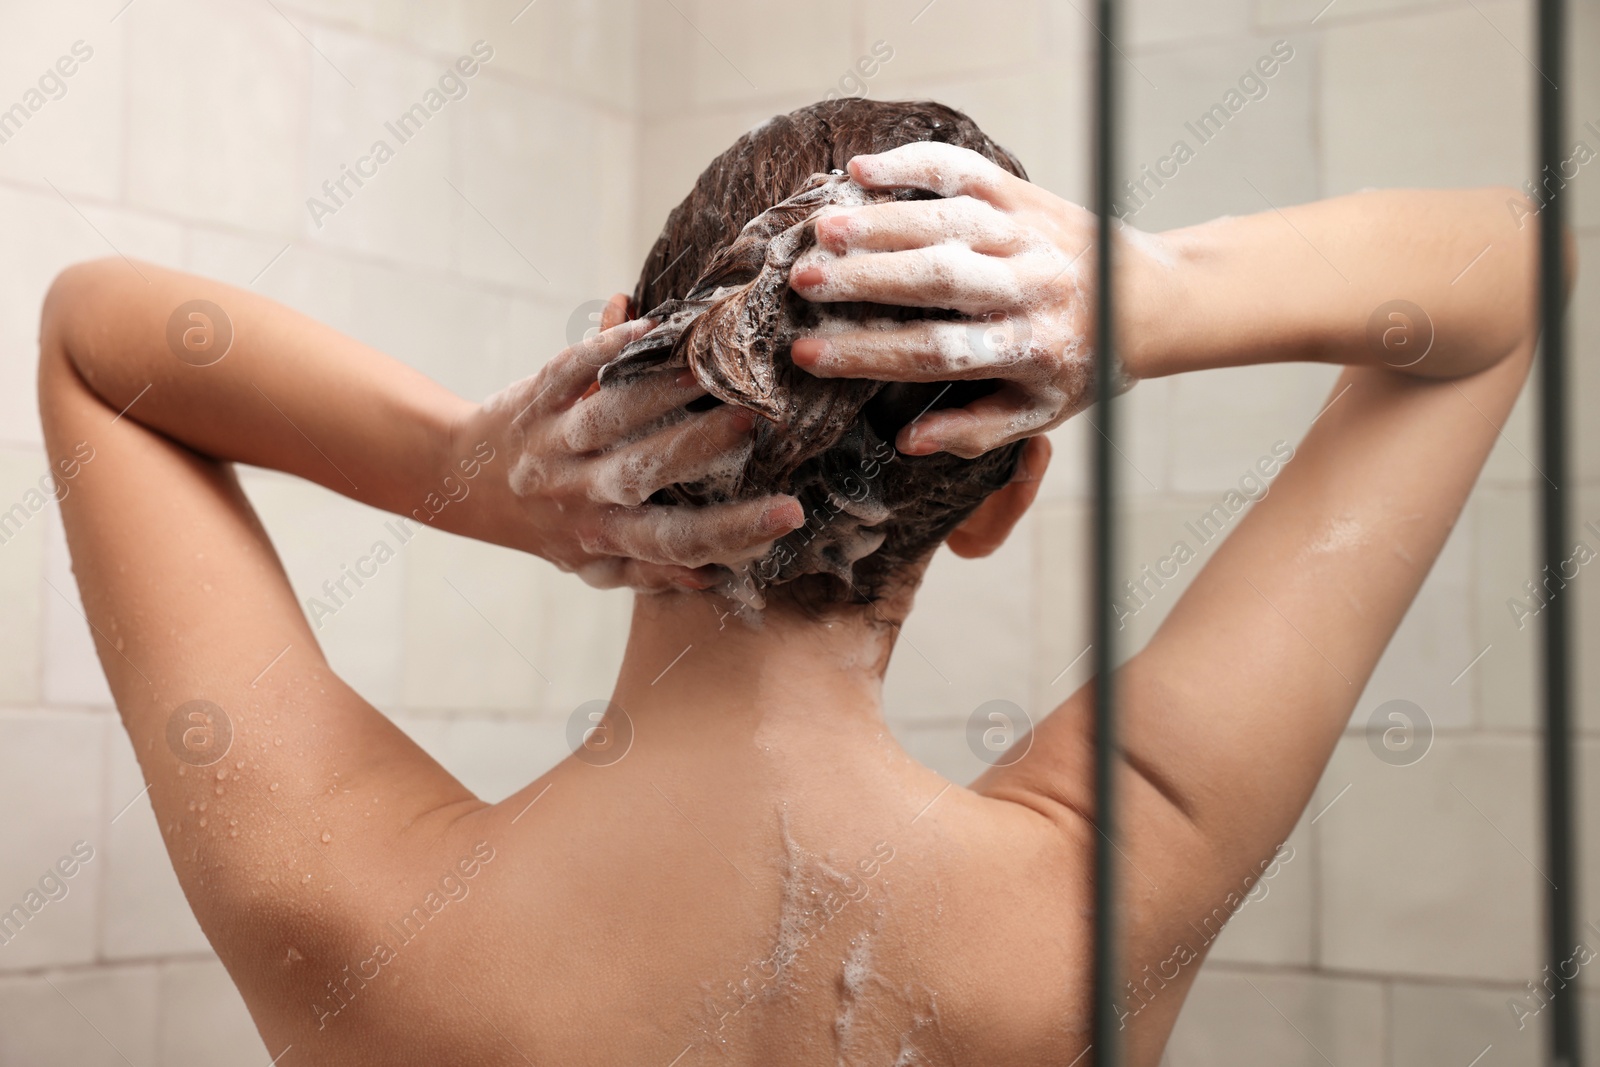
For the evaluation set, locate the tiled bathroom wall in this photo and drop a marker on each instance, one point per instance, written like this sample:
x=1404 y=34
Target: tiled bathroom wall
x=193 y=136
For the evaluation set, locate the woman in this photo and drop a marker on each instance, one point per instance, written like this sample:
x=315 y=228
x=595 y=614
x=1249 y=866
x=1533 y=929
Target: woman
x=767 y=878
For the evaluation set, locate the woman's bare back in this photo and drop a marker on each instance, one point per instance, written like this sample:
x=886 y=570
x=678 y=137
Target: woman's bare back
x=801 y=904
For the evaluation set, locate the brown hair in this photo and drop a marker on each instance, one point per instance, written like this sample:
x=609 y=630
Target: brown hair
x=717 y=279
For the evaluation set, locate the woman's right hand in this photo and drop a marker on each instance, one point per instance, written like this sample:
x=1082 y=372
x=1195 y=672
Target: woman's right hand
x=583 y=462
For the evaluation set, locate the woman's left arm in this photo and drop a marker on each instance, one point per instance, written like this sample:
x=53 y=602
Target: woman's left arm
x=1228 y=716
x=1429 y=284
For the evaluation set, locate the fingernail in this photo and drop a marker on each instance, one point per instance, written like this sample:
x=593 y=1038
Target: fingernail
x=918 y=442
x=686 y=379
x=594 y=387
x=692 y=582
x=809 y=351
x=742 y=419
x=807 y=277
x=781 y=518
x=833 y=232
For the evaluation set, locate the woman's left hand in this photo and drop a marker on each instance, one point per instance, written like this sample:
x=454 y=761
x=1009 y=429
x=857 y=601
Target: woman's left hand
x=1004 y=252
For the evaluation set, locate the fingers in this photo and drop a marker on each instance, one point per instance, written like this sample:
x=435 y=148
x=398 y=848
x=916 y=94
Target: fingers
x=615 y=313
x=982 y=426
x=939 y=168
x=574 y=369
x=895 y=227
x=617 y=573
x=917 y=351
x=696 y=536
x=942 y=276
x=698 y=448
x=616 y=413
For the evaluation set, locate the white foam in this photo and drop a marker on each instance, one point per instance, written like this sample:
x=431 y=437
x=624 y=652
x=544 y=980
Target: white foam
x=630 y=477
x=1158 y=248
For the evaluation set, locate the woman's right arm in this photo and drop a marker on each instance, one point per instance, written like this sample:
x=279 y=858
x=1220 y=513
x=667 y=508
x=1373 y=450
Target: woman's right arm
x=298 y=818
x=234 y=376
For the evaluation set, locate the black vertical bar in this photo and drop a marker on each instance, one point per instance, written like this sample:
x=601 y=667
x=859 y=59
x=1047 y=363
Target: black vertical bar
x=1107 y=1051
x=1561 y=897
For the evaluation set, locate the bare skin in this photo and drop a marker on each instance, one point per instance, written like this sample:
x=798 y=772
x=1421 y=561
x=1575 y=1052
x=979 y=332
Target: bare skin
x=765 y=877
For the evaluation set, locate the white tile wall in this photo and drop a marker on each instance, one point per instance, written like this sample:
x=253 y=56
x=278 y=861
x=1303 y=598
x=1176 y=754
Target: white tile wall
x=203 y=1020
x=945 y=40
x=737 y=52
x=1432 y=98
x=1432 y=869
x=143 y=911
x=55 y=775
x=405 y=211
x=1583 y=332
x=317 y=534
x=472 y=633
x=1449 y=1024
x=1264 y=156
x=21 y=560
x=217 y=97
x=546 y=186
x=1224 y=421
x=101 y=1018
x=961 y=603
x=1506 y=557
x=88 y=102
x=1253 y=1019
x=1278 y=925
x=1424 y=661
x=196 y=133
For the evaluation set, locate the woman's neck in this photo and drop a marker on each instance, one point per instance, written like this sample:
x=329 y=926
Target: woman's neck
x=695 y=669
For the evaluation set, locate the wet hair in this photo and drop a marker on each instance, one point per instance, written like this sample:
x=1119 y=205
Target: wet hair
x=717 y=282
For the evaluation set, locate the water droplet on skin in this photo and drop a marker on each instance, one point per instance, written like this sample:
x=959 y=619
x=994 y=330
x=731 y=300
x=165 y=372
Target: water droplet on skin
x=305 y=880
x=239 y=766
x=202 y=820
x=203 y=805
x=222 y=772
x=191 y=805
x=326 y=837
x=219 y=790
x=119 y=643
x=294 y=953
x=273 y=787
x=233 y=833
x=277 y=740
x=180 y=770
x=233 y=822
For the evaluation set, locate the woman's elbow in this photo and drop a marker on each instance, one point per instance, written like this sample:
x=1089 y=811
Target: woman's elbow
x=66 y=292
